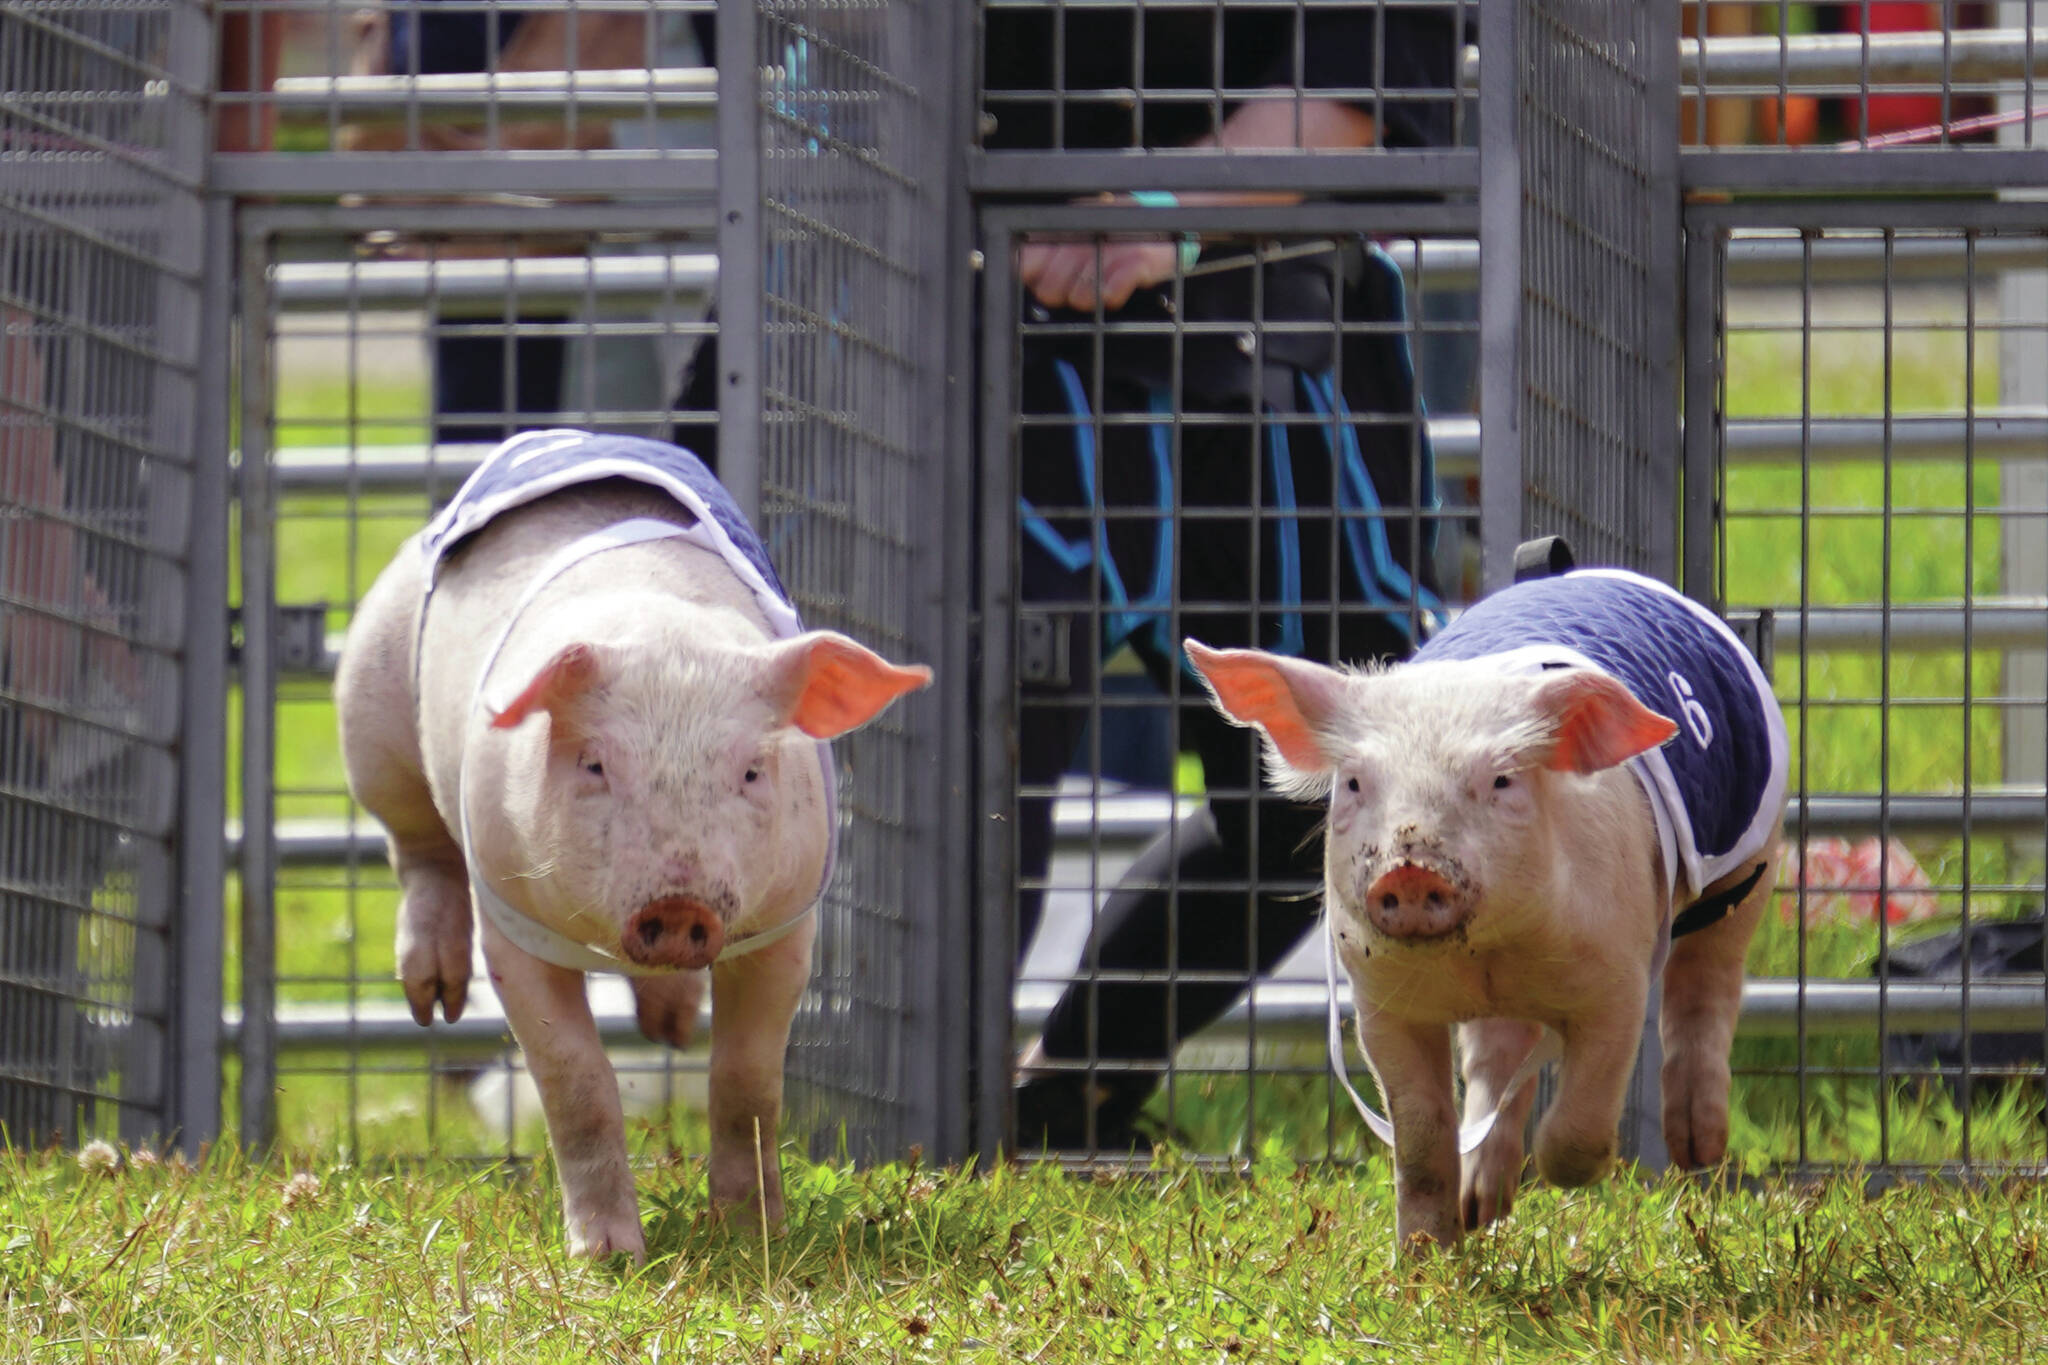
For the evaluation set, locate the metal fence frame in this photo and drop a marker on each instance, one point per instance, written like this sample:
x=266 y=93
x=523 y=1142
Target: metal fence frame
x=1511 y=191
x=1888 y=1006
x=743 y=199
x=101 y=225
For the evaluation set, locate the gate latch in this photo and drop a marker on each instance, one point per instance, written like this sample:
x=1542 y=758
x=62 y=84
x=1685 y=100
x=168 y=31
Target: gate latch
x=1758 y=630
x=298 y=640
x=1043 y=648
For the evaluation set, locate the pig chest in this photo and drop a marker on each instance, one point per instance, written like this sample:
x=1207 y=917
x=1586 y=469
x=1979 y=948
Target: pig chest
x=1450 y=983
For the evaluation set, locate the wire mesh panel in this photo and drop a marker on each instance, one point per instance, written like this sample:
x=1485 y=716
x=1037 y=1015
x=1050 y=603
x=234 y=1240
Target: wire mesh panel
x=393 y=360
x=393 y=343
x=327 y=96
x=852 y=469
x=1069 y=92
x=1865 y=399
x=1598 y=258
x=1242 y=457
x=100 y=241
x=1899 y=83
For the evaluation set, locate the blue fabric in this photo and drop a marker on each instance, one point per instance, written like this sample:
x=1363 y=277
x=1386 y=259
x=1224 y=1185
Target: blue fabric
x=537 y=463
x=1676 y=662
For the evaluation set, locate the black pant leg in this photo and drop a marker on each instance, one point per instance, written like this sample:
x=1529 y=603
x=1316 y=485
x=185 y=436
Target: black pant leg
x=471 y=401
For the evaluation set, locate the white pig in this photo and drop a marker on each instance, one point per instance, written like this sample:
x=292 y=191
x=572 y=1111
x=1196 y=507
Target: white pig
x=1513 y=831
x=582 y=696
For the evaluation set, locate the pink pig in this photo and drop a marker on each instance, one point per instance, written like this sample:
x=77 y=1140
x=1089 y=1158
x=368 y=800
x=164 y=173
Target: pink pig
x=611 y=747
x=1495 y=859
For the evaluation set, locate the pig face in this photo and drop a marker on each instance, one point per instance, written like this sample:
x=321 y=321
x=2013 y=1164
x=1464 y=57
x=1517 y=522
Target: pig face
x=674 y=787
x=1445 y=781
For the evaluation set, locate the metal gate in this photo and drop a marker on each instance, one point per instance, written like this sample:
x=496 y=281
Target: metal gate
x=111 y=540
x=394 y=334
x=1527 y=296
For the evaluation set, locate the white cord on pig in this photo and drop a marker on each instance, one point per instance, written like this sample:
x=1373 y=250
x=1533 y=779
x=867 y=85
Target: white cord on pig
x=527 y=934
x=1471 y=1134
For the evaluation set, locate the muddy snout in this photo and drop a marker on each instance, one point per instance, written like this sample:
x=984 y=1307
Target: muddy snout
x=1409 y=901
x=674 y=931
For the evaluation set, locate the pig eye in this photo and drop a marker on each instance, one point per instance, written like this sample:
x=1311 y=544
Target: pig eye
x=753 y=773
x=593 y=766
x=1351 y=785
x=1503 y=782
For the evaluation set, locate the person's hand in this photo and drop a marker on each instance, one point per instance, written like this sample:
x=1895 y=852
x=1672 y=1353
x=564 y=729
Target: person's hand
x=1076 y=274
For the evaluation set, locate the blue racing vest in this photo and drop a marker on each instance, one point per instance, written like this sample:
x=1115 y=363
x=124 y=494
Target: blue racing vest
x=1717 y=786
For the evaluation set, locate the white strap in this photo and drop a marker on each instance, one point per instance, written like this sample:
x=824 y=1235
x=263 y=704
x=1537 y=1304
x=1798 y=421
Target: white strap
x=1471 y=1134
x=523 y=932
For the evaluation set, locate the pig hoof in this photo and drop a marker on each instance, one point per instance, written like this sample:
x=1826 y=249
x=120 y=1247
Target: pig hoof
x=602 y=1237
x=434 y=936
x=674 y=932
x=1568 y=1164
x=425 y=987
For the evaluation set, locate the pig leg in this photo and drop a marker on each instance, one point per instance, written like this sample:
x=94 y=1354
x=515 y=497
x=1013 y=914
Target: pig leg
x=1702 y=996
x=1493 y=1049
x=667 y=1006
x=1575 y=1143
x=551 y=1019
x=1413 y=1065
x=380 y=746
x=753 y=1000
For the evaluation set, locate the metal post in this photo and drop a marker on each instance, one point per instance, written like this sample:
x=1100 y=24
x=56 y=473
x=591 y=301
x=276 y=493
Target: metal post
x=259 y=698
x=197 y=938
x=995 y=803
x=1702 y=366
x=1500 y=295
x=740 y=244
x=949 y=48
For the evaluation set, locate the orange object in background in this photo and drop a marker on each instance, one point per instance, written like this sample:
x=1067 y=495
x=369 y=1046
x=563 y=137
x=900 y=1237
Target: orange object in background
x=1802 y=120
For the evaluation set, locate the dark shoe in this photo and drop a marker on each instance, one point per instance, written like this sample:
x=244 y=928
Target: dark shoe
x=1053 y=1112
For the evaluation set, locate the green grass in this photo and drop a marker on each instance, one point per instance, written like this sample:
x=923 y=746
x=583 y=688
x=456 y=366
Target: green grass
x=307 y=1260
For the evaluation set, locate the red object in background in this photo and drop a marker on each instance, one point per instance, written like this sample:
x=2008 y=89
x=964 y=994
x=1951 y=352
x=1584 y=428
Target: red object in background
x=1845 y=880
x=1890 y=113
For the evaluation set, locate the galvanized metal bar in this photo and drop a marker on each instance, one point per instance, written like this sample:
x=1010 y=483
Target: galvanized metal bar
x=741 y=240
x=1664 y=318
x=257 y=862
x=1860 y=62
x=1701 y=422
x=948 y=41
x=199 y=936
x=497 y=215
x=681 y=172
x=592 y=93
x=540 y=281
x=1288 y=1012
x=1500 y=303
x=1432 y=170
x=995 y=798
x=1874 y=172
x=1439 y=263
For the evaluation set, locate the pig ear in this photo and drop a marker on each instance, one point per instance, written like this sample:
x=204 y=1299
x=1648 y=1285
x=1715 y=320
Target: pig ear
x=825 y=684
x=1598 y=721
x=1292 y=700
x=572 y=672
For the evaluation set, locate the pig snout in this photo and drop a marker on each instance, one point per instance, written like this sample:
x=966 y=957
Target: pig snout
x=1413 y=902
x=674 y=931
